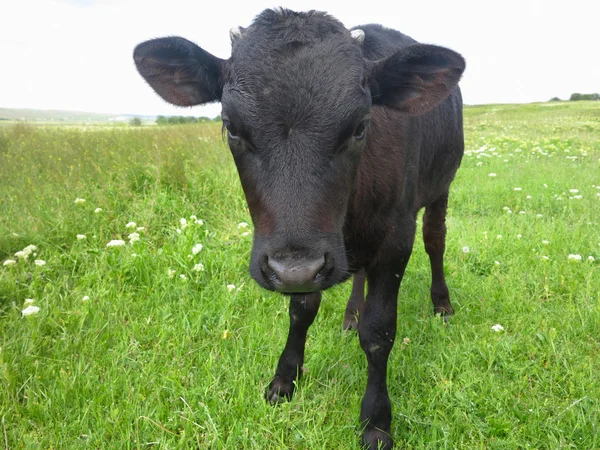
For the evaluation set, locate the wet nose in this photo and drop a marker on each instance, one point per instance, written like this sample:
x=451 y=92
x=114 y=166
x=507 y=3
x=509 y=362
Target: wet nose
x=296 y=275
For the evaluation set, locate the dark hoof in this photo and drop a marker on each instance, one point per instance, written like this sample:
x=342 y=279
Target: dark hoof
x=445 y=311
x=375 y=439
x=280 y=390
x=350 y=323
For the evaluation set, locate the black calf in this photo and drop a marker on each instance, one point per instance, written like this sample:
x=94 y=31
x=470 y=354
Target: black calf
x=340 y=137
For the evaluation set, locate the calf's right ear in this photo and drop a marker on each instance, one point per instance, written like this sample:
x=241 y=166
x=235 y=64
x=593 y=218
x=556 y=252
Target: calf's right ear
x=179 y=71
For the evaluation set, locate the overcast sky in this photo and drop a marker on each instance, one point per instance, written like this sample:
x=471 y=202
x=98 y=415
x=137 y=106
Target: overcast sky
x=76 y=54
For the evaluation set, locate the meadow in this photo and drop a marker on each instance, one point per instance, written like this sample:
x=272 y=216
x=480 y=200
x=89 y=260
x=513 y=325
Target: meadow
x=155 y=341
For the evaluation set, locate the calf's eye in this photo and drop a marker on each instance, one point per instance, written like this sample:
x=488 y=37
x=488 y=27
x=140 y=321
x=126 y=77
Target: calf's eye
x=359 y=132
x=231 y=134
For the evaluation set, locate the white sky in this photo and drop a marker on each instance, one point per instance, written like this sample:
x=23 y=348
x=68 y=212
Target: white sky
x=77 y=54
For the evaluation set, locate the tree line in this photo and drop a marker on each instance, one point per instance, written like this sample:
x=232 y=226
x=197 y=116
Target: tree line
x=577 y=97
x=177 y=120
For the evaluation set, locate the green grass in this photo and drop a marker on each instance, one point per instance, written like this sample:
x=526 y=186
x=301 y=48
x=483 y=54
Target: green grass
x=151 y=361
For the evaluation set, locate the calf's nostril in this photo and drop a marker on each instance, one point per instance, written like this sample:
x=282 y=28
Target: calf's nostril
x=296 y=273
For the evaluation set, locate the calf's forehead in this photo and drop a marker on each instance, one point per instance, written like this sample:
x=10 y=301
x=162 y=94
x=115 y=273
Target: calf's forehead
x=296 y=82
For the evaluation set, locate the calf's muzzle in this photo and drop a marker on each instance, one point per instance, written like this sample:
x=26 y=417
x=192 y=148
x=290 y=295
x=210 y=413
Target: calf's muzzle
x=291 y=275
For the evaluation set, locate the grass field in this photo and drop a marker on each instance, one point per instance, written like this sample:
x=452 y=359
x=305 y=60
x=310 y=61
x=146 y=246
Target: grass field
x=157 y=344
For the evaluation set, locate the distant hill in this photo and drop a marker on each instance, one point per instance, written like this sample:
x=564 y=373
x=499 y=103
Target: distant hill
x=588 y=109
x=53 y=115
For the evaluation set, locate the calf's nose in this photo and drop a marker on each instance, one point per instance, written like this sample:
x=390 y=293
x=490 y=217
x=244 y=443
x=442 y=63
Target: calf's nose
x=296 y=275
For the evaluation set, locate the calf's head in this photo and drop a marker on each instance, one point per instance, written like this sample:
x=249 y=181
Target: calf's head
x=296 y=95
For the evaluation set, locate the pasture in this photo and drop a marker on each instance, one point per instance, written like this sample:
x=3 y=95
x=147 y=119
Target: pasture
x=161 y=343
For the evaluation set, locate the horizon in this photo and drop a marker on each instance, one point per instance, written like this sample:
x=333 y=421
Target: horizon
x=531 y=52
x=121 y=113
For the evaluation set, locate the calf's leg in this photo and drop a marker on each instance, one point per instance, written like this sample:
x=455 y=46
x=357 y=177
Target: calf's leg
x=377 y=331
x=434 y=237
x=303 y=310
x=356 y=301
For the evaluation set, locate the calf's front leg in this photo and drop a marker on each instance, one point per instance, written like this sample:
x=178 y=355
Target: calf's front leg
x=303 y=310
x=377 y=332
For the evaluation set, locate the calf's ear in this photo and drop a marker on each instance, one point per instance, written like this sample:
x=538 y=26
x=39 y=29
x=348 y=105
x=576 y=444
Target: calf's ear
x=416 y=78
x=179 y=71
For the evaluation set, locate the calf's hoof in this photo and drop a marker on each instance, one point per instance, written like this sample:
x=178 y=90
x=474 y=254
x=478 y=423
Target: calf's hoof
x=350 y=323
x=279 y=390
x=446 y=311
x=375 y=439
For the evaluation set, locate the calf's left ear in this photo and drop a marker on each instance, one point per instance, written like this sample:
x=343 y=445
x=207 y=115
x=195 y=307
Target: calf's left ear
x=416 y=78
x=179 y=71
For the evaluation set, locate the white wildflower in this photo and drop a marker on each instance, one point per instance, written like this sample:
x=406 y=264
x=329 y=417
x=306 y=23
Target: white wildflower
x=246 y=233
x=497 y=263
x=591 y=258
x=178 y=230
x=199 y=222
x=183 y=277
x=81 y=237
x=242 y=225
x=85 y=298
x=171 y=273
x=131 y=225
x=9 y=262
x=39 y=262
x=231 y=287
x=97 y=210
x=574 y=191
x=545 y=185
x=528 y=197
x=519 y=236
x=198 y=267
x=545 y=242
x=29 y=301
x=576 y=197
x=30 y=310
x=522 y=212
x=466 y=249
x=574 y=257
x=140 y=228
x=24 y=254
x=183 y=223
x=497 y=328
x=134 y=237
x=193 y=217
x=197 y=249
x=545 y=258
x=491 y=174
x=79 y=201
x=499 y=236
x=517 y=189
x=116 y=243
x=539 y=215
